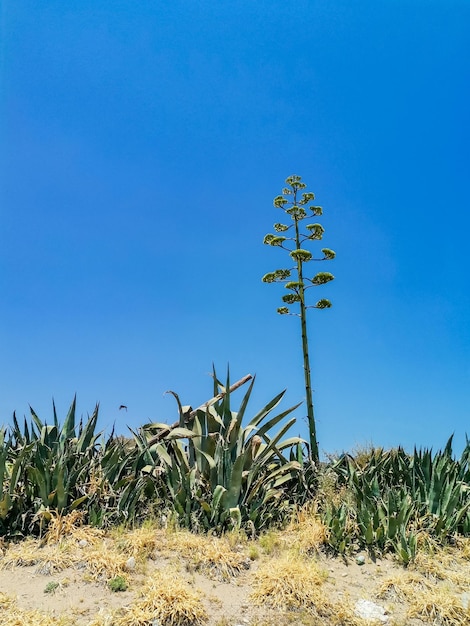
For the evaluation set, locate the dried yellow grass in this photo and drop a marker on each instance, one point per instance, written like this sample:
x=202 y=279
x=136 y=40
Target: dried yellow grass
x=71 y=526
x=449 y=564
x=306 y=533
x=102 y=561
x=165 y=599
x=210 y=555
x=140 y=542
x=463 y=546
x=296 y=585
x=404 y=586
x=441 y=606
x=428 y=600
x=47 y=558
x=12 y=615
x=288 y=584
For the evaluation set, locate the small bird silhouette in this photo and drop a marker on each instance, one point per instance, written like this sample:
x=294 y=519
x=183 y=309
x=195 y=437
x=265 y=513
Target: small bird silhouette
x=123 y=406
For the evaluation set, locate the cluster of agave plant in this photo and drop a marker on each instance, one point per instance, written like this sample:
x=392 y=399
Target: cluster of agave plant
x=218 y=469
x=212 y=471
x=393 y=499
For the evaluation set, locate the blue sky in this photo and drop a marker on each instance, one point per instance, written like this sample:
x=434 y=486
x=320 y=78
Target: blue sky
x=142 y=145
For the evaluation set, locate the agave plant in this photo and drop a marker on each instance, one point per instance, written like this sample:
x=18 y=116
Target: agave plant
x=47 y=467
x=395 y=495
x=220 y=472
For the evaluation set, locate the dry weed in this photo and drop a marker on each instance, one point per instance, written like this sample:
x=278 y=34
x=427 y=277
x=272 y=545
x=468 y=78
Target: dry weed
x=70 y=527
x=47 y=558
x=288 y=584
x=448 y=564
x=140 y=542
x=12 y=615
x=296 y=586
x=210 y=555
x=306 y=533
x=440 y=606
x=432 y=602
x=103 y=560
x=165 y=599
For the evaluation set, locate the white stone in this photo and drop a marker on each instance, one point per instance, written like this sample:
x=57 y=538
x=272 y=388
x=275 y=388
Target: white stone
x=369 y=610
x=130 y=564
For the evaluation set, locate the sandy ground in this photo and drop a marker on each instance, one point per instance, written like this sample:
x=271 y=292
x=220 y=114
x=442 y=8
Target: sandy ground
x=228 y=603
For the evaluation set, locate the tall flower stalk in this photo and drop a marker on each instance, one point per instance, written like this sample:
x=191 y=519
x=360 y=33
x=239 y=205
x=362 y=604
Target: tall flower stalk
x=297 y=206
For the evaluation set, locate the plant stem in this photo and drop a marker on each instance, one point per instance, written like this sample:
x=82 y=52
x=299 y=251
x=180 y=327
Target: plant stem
x=312 y=431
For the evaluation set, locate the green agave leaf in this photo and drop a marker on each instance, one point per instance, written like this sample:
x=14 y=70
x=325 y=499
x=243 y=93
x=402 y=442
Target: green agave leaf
x=271 y=447
x=60 y=491
x=68 y=428
x=275 y=420
x=211 y=412
x=181 y=460
x=154 y=427
x=290 y=442
x=49 y=435
x=180 y=433
x=267 y=409
x=76 y=503
x=5 y=504
x=87 y=437
x=180 y=407
x=211 y=462
x=17 y=434
x=231 y=497
x=206 y=507
x=236 y=517
x=162 y=453
x=36 y=419
x=216 y=498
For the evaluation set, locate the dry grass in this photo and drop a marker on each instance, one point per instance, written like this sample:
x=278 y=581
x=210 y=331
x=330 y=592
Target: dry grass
x=295 y=586
x=165 y=600
x=65 y=545
x=288 y=584
x=449 y=564
x=12 y=615
x=47 y=557
x=140 y=542
x=212 y=556
x=306 y=533
x=440 y=606
x=463 y=545
x=103 y=562
x=433 y=602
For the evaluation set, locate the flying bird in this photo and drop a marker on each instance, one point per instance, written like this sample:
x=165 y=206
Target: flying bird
x=123 y=406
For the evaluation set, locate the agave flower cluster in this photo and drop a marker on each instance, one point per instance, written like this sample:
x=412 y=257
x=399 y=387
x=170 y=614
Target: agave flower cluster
x=298 y=209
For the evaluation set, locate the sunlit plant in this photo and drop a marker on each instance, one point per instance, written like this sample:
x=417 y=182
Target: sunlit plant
x=297 y=207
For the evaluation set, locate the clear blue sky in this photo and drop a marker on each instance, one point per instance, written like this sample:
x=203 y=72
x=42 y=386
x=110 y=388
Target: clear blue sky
x=142 y=145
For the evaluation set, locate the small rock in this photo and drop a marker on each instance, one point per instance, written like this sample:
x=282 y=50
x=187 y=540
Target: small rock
x=130 y=564
x=83 y=543
x=370 y=611
x=360 y=560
